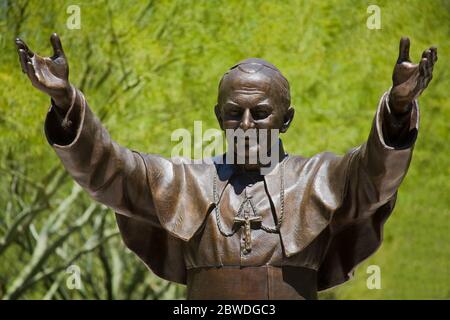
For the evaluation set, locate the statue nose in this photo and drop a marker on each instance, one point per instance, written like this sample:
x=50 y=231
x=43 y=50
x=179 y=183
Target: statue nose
x=247 y=121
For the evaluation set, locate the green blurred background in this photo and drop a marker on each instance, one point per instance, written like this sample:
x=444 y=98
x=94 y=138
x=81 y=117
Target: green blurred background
x=150 y=67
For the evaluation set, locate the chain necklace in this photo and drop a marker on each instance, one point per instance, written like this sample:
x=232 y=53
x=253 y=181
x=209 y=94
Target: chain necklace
x=273 y=229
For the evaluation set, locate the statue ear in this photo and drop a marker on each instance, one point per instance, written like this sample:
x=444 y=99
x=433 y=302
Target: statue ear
x=218 y=115
x=288 y=116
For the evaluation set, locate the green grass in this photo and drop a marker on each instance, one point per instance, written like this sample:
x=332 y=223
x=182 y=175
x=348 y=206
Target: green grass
x=176 y=52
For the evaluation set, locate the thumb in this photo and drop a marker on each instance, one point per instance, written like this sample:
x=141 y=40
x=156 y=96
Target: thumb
x=57 y=46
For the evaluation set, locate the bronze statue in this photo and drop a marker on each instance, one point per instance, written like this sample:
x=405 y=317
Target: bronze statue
x=223 y=228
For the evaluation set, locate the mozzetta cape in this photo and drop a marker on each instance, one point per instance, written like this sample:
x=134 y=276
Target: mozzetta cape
x=162 y=203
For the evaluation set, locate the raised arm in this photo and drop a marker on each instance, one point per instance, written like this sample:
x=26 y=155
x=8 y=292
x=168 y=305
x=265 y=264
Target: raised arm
x=112 y=175
x=374 y=171
x=144 y=187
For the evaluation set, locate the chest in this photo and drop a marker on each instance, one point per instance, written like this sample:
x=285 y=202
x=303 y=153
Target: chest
x=243 y=229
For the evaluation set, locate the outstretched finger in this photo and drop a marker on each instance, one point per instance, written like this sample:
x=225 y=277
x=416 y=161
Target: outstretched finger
x=429 y=56
x=434 y=54
x=31 y=72
x=423 y=66
x=22 y=45
x=421 y=77
x=403 y=54
x=57 y=46
x=23 y=58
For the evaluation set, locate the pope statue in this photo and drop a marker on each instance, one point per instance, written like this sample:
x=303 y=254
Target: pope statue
x=226 y=228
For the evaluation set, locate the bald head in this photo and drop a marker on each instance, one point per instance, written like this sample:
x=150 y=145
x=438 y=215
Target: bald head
x=254 y=98
x=254 y=93
x=255 y=74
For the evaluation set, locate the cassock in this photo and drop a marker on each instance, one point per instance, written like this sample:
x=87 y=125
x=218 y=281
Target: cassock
x=217 y=229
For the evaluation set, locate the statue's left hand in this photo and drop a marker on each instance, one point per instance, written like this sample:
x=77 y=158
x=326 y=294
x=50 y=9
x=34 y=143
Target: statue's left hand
x=409 y=79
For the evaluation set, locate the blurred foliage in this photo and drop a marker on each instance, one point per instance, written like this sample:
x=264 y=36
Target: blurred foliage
x=150 y=67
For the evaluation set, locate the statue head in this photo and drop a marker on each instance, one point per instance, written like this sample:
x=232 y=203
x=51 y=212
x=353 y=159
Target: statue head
x=254 y=95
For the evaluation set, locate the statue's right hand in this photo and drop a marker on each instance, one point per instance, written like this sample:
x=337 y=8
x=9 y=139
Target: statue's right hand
x=48 y=74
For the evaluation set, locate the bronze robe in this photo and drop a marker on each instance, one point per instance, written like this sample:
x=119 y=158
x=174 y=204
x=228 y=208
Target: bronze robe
x=335 y=207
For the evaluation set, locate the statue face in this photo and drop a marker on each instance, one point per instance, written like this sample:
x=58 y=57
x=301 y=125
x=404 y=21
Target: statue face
x=251 y=101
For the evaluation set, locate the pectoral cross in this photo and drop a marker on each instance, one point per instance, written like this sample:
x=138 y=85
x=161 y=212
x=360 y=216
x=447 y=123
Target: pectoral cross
x=247 y=221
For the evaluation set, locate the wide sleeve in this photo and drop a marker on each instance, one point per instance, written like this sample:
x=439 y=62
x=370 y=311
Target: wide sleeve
x=373 y=172
x=161 y=192
x=160 y=203
x=369 y=177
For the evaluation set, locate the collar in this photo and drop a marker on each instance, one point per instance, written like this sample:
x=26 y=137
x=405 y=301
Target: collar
x=226 y=170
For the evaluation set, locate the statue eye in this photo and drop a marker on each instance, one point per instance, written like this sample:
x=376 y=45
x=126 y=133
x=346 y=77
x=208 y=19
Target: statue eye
x=261 y=113
x=233 y=111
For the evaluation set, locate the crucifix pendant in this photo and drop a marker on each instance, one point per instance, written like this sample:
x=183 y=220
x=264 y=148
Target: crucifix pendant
x=247 y=221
